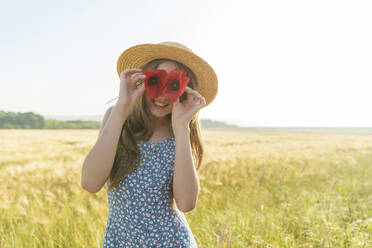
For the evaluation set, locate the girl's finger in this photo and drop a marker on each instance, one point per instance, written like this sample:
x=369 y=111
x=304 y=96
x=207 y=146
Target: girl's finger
x=195 y=100
x=192 y=91
x=130 y=71
x=141 y=88
x=188 y=88
x=201 y=100
x=138 y=76
x=196 y=97
x=127 y=72
x=138 y=73
x=197 y=94
x=138 y=79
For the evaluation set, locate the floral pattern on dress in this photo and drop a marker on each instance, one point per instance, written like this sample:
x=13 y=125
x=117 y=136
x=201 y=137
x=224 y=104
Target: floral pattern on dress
x=140 y=211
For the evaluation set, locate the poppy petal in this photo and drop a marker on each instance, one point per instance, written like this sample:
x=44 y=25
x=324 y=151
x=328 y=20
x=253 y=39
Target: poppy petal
x=154 y=82
x=176 y=83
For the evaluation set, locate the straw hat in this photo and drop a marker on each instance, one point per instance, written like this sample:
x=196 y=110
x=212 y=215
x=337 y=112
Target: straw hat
x=139 y=55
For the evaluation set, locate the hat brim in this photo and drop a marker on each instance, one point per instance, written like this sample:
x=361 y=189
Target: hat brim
x=139 y=55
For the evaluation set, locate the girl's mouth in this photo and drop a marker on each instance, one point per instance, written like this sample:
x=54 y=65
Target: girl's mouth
x=159 y=104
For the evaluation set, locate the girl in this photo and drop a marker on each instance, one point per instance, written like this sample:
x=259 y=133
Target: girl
x=148 y=150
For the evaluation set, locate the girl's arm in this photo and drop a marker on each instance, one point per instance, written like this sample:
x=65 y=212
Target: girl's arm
x=99 y=161
x=186 y=185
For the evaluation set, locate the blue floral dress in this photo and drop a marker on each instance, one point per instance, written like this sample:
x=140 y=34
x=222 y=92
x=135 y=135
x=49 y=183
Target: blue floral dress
x=140 y=211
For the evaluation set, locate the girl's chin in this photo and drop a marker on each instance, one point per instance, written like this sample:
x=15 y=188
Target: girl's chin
x=158 y=113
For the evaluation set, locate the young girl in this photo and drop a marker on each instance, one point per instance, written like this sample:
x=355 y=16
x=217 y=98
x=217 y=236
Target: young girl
x=148 y=150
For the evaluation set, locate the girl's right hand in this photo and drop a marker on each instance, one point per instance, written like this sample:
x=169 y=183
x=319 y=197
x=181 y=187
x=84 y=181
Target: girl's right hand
x=129 y=93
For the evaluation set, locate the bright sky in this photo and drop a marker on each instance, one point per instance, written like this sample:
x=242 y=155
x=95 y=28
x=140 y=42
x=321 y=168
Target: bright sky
x=279 y=63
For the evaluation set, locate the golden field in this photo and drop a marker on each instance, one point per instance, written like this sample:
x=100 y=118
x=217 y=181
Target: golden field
x=258 y=189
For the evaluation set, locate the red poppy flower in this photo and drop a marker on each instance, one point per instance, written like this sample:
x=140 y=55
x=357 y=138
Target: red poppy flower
x=175 y=84
x=172 y=85
x=154 y=82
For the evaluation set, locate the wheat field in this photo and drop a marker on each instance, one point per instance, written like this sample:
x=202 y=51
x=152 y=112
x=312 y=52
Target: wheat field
x=258 y=189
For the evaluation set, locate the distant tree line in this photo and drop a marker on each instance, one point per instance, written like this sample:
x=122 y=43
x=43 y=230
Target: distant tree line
x=207 y=123
x=30 y=120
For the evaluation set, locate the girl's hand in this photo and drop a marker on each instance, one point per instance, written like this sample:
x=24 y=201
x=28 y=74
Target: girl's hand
x=129 y=93
x=183 y=112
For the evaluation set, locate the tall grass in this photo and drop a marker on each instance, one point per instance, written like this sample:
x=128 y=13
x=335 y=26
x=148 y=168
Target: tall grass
x=257 y=190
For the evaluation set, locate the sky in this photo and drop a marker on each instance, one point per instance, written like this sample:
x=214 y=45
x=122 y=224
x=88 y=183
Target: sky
x=278 y=63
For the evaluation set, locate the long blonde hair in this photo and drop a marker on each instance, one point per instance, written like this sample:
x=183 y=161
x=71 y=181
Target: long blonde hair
x=138 y=126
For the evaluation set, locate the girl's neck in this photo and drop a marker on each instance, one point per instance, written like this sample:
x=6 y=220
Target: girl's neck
x=163 y=128
x=162 y=123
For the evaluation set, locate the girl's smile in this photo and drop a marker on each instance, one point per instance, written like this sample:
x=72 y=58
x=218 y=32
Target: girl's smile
x=159 y=107
x=160 y=104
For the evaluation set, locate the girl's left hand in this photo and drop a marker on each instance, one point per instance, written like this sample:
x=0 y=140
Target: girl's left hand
x=183 y=112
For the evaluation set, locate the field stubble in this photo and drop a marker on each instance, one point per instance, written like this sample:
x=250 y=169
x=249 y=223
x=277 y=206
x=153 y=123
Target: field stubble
x=257 y=190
